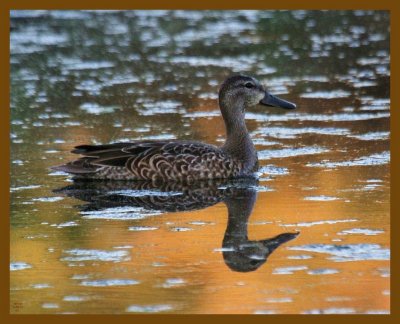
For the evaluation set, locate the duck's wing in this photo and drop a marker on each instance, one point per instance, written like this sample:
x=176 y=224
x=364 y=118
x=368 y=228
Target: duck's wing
x=96 y=156
x=117 y=154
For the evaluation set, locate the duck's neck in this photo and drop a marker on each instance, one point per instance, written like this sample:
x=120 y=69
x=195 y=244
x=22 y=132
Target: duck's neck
x=238 y=142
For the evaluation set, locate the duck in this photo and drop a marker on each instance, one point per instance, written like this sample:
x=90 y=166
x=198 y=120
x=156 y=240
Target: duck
x=183 y=160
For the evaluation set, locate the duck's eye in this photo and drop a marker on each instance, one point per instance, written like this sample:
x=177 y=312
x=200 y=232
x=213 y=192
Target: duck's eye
x=249 y=85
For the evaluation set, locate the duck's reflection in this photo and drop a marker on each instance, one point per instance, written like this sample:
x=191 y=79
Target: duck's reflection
x=240 y=253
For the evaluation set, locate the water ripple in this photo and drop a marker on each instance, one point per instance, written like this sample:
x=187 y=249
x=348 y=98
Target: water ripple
x=349 y=252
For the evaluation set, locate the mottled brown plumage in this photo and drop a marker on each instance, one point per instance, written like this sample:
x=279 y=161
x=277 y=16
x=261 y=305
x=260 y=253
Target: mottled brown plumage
x=183 y=160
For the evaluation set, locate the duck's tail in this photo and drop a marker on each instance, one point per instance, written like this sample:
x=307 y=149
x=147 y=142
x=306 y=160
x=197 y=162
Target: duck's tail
x=80 y=167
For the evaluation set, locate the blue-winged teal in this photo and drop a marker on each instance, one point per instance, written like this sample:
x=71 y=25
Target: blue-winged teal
x=183 y=160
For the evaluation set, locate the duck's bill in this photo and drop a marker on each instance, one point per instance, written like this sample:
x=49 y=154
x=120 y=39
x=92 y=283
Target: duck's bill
x=270 y=100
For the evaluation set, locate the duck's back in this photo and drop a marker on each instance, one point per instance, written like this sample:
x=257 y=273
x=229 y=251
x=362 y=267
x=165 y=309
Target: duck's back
x=165 y=161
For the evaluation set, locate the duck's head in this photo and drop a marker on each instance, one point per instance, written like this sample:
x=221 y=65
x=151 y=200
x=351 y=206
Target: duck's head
x=244 y=91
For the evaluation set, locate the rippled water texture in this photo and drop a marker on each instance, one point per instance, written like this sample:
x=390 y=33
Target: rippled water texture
x=312 y=236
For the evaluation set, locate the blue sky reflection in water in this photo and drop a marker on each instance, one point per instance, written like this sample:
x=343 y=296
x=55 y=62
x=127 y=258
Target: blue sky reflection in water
x=106 y=76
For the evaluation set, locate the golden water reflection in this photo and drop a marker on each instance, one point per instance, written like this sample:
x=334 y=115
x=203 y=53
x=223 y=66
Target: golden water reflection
x=106 y=260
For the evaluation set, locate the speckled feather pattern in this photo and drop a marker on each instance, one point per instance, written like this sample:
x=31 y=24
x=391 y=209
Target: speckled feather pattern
x=155 y=161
